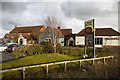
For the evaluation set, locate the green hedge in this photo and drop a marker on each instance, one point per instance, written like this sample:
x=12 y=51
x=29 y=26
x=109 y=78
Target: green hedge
x=99 y=52
x=73 y=51
x=28 y=50
x=47 y=47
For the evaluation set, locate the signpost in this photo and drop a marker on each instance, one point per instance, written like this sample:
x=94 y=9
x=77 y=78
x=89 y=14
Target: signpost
x=90 y=36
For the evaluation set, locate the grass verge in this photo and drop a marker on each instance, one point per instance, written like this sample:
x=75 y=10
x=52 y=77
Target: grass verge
x=32 y=60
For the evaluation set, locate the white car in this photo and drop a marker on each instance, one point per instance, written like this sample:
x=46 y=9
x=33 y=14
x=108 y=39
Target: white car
x=5 y=46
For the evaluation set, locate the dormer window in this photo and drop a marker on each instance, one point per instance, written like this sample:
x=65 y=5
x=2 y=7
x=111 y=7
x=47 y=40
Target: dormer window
x=12 y=37
x=20 y=33
x=29 y=34
x=48 y=40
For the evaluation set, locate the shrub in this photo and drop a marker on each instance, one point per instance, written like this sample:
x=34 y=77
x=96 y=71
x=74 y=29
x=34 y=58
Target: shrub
x=73 y=51
x=59 y=48
x=27 y=50
x=47 y=47
x=99 y=52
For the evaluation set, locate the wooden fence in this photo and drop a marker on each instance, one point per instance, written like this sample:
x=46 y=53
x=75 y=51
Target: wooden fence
x=63 y=62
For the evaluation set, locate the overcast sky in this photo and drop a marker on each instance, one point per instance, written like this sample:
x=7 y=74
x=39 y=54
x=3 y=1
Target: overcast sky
x=72 y=14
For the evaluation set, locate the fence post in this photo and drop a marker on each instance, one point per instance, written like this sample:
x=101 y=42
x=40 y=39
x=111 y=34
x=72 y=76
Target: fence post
x=80 y=64
x=47 y=69
x=104 y=60
x=112 y=57
x=65 y=67
x=93 y=62
x=23 y=69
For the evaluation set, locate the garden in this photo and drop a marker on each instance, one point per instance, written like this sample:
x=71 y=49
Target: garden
x=43 y=53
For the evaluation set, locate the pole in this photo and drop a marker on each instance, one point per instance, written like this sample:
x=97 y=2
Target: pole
x=85 y=42
x=94 y=39
x=104 y=60
x=65 y=67
x=80 y=64
x=23 y=69
x=93 y=62
x=47 y=69
x=85 y=50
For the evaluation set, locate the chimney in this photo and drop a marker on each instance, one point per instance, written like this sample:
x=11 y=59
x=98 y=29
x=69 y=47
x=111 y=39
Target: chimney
x=58 y=27
x=15 y=26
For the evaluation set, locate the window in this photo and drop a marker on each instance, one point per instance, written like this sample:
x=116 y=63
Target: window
x=99 y=41
x=48 y=40
x=62 y=42
x=33 y=41
x=20 y=33
x=30 y=41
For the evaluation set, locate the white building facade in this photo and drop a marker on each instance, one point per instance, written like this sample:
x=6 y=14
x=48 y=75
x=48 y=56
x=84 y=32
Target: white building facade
x=102 y=39
x=22 y=40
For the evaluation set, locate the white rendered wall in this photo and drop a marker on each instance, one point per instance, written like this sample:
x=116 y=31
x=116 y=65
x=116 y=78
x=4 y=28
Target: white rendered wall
x=24 y=40
x=109 y=42
x=80 y=40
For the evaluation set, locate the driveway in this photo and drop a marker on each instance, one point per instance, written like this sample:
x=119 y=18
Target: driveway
x=6 y=56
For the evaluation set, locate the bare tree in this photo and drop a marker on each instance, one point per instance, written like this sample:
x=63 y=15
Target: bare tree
x=54 y=34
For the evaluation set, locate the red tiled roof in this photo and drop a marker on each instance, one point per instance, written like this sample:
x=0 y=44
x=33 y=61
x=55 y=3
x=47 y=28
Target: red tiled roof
x=25 y=35
x=57 y=32
x=12 y=35
x=66 y=32
x=101 y=32
x=0 y=39
x=26 y=29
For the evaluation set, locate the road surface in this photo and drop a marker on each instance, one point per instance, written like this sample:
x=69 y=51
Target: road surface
x=6 y=56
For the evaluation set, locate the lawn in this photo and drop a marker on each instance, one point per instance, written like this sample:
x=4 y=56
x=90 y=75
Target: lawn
x=37 y=59
x=32 y=60
x=44 y=58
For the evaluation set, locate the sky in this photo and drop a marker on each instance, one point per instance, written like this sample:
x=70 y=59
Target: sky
x=72 y=13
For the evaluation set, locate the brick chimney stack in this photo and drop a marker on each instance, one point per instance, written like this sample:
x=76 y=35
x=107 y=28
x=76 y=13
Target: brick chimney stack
x=58 y=27
x=15 y=26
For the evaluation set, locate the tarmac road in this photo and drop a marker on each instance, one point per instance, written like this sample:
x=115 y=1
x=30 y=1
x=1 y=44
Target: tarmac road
x=6 y=56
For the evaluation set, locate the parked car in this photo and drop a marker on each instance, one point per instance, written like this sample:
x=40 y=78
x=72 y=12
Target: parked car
x=12 y=47
x=4 y=47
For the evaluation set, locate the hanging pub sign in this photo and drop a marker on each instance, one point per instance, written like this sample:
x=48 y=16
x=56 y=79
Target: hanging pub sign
x=89 y=28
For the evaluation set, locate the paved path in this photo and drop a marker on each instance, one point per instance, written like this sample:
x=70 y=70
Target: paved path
x=6 y=56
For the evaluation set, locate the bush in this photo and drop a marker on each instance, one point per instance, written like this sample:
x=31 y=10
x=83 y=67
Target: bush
x=27 y=50
x=99 y=52
x=59 y=48
x=47 y=47
x=73 y=51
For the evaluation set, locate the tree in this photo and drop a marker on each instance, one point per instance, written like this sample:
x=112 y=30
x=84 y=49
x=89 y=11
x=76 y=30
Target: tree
x=52 y=22
x=36 y=35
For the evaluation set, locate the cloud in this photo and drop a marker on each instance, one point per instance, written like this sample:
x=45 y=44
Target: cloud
x=105 y=13
x=13 y=7
x=3 y=32
x=72 y=14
